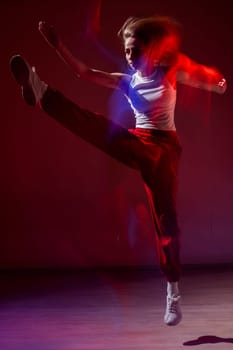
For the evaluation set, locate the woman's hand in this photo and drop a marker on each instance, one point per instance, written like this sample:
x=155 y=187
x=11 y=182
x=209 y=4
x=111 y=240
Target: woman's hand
x=49 y=34
x=221 y=86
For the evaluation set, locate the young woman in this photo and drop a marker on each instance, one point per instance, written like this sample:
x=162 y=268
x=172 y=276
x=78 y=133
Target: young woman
x=152 y=50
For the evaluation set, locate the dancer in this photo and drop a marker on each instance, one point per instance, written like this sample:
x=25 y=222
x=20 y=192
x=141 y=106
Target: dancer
x=152 y=50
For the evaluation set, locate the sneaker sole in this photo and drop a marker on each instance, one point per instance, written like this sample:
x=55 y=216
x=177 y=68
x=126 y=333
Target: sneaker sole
x=21 y=73
x=172 y=323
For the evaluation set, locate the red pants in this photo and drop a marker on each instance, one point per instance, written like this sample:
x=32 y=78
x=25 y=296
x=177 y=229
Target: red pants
x=155 y=153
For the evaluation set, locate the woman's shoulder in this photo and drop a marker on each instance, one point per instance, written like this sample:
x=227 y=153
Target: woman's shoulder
x=125 y=81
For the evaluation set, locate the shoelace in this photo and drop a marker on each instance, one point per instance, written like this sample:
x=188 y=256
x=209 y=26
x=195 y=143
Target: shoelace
x=172 y=304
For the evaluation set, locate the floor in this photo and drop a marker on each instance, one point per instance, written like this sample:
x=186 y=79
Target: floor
x=114 y=310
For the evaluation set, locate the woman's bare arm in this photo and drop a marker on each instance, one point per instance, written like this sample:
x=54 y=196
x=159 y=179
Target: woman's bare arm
x=111 y=80
x=197 y=75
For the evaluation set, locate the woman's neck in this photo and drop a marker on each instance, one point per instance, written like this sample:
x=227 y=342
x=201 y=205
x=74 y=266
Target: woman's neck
x=147 y=71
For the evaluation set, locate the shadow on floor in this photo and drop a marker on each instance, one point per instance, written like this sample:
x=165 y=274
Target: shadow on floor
x=208 y=339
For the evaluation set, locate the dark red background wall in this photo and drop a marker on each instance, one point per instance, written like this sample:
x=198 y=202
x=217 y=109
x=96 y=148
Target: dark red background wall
x=66 y=204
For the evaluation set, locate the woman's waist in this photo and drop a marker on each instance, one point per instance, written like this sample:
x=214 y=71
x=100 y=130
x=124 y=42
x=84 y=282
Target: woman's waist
x=157 y=135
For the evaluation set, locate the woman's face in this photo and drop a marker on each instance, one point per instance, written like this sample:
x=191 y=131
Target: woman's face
x=135 y=53
x=144 y=58
x=139 y=56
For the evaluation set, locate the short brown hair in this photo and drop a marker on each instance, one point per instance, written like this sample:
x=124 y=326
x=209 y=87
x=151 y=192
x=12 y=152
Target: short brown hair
x=155 y=30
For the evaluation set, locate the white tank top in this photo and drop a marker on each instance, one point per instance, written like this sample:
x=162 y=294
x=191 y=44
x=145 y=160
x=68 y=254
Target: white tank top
x=153 y=100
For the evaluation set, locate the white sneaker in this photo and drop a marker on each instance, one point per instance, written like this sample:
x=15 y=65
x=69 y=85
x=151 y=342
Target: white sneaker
x=173 y=313
x=25 y=75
